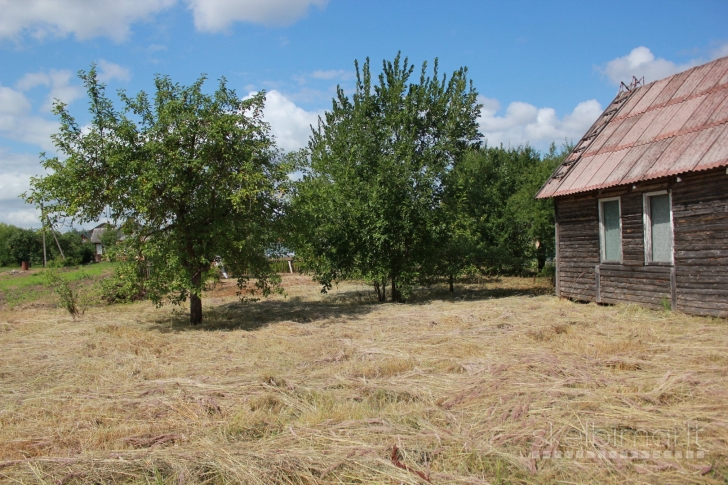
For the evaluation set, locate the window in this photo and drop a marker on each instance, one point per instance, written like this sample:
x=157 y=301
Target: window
x=610 y=230
x=658 y=227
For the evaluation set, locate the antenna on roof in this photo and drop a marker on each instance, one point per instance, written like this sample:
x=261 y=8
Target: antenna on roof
x=635 y=83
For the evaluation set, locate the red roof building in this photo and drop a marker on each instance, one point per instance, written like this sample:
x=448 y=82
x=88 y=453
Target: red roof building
x=642 y=200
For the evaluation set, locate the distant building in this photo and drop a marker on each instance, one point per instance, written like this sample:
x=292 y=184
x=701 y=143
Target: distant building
x=94 y=237
x=642 y=200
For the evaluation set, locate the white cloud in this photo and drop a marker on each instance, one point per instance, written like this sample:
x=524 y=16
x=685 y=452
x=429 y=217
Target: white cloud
x=524 y=123
x=333 y=74
x=84 y=19
x=15 y=172
x=290 y=124
x=217 y=15
x=59 y=83
x=27 y=216
x=13 y=184
x=520 y=124
x=642 y=62
x=17 y=122
x=12 y=103
x=108 y=71
x=113 y=18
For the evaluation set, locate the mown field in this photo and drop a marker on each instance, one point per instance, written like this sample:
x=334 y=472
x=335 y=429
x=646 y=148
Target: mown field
x=500 y=383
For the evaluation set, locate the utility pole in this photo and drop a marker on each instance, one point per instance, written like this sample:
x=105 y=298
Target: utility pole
x=42 y=220
x=54 y=237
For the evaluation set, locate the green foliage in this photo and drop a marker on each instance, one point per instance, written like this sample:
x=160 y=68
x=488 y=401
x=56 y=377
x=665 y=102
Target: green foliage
x=368 y=205
x=18 y=245
x=187 y=176
x=128 y=283
x=498 y=224
x=109 y=239
x=25 y=245
x=76 y=252
x=6 y=232
x=68 y=295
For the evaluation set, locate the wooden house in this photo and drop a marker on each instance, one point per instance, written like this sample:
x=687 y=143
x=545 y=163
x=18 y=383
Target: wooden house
x=642 y=200
x=95 y=238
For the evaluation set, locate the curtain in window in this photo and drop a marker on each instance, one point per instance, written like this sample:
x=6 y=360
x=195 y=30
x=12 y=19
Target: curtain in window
x=612 y=232
x=660 y=227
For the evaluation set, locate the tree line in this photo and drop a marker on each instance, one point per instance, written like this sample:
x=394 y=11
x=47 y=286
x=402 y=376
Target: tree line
x=18 y=245
x=395 y=186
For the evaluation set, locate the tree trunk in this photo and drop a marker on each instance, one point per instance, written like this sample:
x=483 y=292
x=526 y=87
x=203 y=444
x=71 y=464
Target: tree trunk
x=395 y=291
x=452 y=288
x=378 y=289
x=195 y=300
x=541 y=258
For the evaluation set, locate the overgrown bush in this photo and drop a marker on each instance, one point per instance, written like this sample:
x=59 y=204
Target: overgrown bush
x=68 y=295
x=125 y=286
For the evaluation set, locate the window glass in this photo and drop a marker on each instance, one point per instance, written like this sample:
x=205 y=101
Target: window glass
x=612 y=234
x=660 y=227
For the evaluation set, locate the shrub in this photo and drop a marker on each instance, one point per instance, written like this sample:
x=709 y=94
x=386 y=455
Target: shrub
x=68 y=295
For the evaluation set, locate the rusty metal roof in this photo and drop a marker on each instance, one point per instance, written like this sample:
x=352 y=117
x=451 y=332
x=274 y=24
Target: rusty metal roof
x=675 y=125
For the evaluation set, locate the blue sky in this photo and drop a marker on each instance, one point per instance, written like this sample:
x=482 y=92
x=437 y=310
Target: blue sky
x=544 y=70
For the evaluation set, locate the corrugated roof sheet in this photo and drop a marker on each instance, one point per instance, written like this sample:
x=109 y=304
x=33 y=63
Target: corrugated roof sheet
x=675 y=125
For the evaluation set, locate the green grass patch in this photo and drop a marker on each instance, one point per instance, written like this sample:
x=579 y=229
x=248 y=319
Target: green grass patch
x=25 y=287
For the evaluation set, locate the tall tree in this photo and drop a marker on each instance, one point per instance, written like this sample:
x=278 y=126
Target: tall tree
x=6 y=232
x=535 y=217
x=188 y=177
x=24 y=245
x=491 y=193
x=369 y=199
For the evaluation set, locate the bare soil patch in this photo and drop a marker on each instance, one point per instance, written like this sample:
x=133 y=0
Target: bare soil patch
x=500 y=383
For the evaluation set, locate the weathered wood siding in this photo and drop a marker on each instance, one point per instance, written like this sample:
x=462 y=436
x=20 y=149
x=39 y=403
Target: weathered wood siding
x=578 y=252
x=698 y=281
x=700 y=217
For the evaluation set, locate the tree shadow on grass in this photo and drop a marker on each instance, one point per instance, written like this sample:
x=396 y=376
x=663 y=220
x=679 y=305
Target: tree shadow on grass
x=492 y=289
x=250 y=316
x=337 y=305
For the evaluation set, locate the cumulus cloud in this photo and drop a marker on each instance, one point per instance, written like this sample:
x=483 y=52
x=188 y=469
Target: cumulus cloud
x=59 y=83
x=523 y=123
x=12 y=185
x=15 y=172
x=290 y=124
x=109 y=71
x=113 y=18
x=642 y=62
x=18 y=123
x=12 y=103
x=59 y=18
x=20 y=214
x=218 y=15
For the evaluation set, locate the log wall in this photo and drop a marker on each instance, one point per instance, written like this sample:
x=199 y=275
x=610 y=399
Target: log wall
x=700 y=217
x=697 y=283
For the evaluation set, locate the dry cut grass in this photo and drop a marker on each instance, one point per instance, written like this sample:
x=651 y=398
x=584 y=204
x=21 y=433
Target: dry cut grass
x=500 y=384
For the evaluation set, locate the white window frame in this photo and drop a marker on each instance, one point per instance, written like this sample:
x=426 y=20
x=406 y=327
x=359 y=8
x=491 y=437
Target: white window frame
x=602 y=242
x=647 y=224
